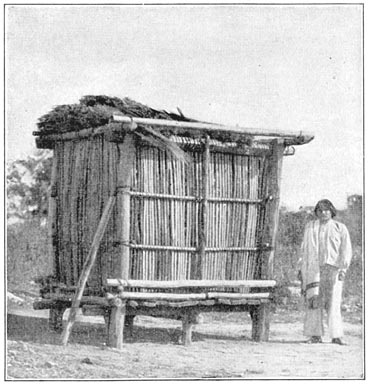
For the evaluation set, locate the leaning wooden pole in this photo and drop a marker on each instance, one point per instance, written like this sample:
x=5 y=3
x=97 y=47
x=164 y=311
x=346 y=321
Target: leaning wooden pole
x=126 y=162
x=87 y=268
x=261 y=314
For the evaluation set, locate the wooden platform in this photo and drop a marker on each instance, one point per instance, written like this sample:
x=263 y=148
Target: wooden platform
x=120 y=307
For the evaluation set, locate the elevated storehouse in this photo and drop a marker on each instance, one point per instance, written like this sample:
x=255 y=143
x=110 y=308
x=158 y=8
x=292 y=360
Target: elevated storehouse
x=154 y=213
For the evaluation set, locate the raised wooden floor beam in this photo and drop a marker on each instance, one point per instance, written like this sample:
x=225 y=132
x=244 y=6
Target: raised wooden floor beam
x=171 y=284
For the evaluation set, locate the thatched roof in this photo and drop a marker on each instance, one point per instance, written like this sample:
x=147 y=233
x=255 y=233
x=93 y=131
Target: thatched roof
x=96 y=111
x=100 y=112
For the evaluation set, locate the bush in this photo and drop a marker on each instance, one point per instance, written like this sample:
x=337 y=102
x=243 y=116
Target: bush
x=27 y=253
x=354 y=277
x=290 y=236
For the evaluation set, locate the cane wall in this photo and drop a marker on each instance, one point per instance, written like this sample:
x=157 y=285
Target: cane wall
x=200 y=220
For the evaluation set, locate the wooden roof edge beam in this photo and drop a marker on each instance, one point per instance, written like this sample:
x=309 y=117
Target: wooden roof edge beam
x=292 y=137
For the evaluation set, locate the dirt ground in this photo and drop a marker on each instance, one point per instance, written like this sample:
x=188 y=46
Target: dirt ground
x=222 y=349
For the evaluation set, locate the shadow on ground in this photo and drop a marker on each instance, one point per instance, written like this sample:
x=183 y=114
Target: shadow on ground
x=36 y=330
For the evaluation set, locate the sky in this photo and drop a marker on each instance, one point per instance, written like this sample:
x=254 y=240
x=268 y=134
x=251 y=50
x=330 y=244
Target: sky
x=287 y=67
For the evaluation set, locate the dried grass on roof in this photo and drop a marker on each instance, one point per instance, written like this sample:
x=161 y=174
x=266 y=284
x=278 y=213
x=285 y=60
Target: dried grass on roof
x=95 y=111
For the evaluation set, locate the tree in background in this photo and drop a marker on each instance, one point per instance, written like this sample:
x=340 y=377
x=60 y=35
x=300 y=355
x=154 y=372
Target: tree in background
x=289 y=238
x=352 y=217
x=28 y=182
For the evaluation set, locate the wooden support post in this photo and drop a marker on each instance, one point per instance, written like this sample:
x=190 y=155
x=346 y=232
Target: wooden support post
x=190 y=318
x=56 y=318
x=272 y=207
x=90 y=260
x=127 y=154
x=187 y=330
x=203 y=210
x=125 y=166
x=52 y=219
x=261 y=314
x=124 y=207
x=116 y=324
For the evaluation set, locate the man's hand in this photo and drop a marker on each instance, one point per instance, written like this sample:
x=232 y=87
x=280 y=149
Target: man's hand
x=341 y=275
x=314 y=302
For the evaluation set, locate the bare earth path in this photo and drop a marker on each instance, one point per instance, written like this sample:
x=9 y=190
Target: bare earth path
x=222 y=348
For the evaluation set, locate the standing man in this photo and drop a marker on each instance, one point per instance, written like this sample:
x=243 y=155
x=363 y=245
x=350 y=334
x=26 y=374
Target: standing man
x=325 y=257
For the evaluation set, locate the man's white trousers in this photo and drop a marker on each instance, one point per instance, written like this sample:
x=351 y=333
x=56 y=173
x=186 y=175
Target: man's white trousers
x=330 y=294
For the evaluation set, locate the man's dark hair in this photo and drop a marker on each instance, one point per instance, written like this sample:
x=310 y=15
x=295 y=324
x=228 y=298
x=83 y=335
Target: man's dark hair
x=325 y=204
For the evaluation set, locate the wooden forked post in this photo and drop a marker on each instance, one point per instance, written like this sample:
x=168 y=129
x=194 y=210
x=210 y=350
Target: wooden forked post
x=261 y=313
x=188 y=320
x=204 y=206
x=117 y=315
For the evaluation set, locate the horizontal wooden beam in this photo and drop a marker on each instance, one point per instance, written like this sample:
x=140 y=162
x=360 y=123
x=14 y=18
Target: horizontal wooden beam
x=231 y=295
x=170 y=284
x=234 y=200
x=234 y=249
x=299 y=137
x=157 y=248
x=190 y=296
x=194 y=198
x=162 y=248
x=254 y=151
x=157 y=307
x=162 y=196
x=161 y=296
